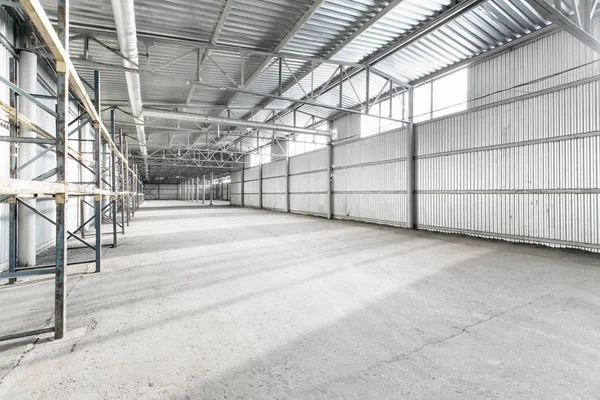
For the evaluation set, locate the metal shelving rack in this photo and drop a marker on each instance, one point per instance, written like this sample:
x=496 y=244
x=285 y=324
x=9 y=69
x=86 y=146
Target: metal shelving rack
x=123 y=187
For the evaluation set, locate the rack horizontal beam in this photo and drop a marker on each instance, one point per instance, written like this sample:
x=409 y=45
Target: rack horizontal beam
x=23 y=186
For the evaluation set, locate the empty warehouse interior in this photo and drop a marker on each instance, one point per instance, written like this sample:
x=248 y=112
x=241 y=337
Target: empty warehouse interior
x=308 y=199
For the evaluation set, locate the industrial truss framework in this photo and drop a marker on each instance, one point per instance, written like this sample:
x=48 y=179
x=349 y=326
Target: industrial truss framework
x=206 y=55
x=574 y=16
x=122 y=186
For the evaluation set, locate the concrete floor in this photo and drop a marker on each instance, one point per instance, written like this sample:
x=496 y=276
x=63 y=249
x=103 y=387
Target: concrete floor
x=229 y=303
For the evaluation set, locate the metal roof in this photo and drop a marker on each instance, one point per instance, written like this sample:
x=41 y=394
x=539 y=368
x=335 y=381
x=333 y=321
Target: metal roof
x=382 y=33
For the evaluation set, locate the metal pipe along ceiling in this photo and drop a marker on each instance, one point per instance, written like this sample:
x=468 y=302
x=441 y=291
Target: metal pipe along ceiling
x=124 y=13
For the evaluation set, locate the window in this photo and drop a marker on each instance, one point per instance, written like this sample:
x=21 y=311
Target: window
x=369 y=125
x=450 y=93
x=263 y=157
x=372 y=125
x=305 y=142
x=422 y=103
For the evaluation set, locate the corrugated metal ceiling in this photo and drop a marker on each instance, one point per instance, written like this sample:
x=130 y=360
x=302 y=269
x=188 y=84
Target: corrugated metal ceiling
x=342 y=30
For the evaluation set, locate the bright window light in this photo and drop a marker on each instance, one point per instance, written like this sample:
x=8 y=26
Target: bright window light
x=422 y=103
x=450 y=93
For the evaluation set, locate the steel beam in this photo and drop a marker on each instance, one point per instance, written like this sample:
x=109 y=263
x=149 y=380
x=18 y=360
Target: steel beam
x=180 y=116
x=558 y=18
x=410 y=164
x=113 y=178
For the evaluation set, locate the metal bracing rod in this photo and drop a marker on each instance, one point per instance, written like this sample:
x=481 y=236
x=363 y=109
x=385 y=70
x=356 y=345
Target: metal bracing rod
x=113 y=178
x=268 y=61
x=28 y=96
x=310 y=102
x=151 y=112
x=55 y=223
x=557 y=17
x=452 y=11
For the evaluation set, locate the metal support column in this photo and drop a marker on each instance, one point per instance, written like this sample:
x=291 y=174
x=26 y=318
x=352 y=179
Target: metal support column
x=12 y=210
x=242 y=188
x=135 y=191
x=329 y=180
x=113 y=179
x=410 y=164
x=203 y=188
x=210 y=187
x=123 y=189
x=127 y=185
x=287 y=183
x=98 y=173
x=62 y=111
x=260 y=186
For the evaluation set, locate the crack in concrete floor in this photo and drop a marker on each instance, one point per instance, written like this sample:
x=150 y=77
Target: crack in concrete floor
x=46 y=323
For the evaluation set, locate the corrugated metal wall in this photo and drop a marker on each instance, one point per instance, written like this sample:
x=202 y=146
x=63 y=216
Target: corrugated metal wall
x=251 y=187
x=524 y=170
x=274 y=185
x=309 y=182
x=370 y=180
x=161 y=191
x=547 y=57
x=236 y=188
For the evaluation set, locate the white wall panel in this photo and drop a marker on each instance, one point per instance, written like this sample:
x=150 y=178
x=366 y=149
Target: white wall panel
x=314 y=204
x=251 y=187
x=547 y=57
x=251 y=174
x=309 y=182
x=276 y=168
x=166 y=191
x=274 y=185
x=525 y=171
x=274 y=201
x=236 y=188
x=370 y=179
x=251 y=200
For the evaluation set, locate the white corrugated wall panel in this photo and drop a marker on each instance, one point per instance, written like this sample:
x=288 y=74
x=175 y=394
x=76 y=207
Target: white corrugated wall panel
x=274 y=169
x=251 y=187
x=525 y=171
x=236 y=188
x=309 y=182
x=162 y=191
x=370 y=178
x=251 y=174
x=546 y=57
x=274 y=185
